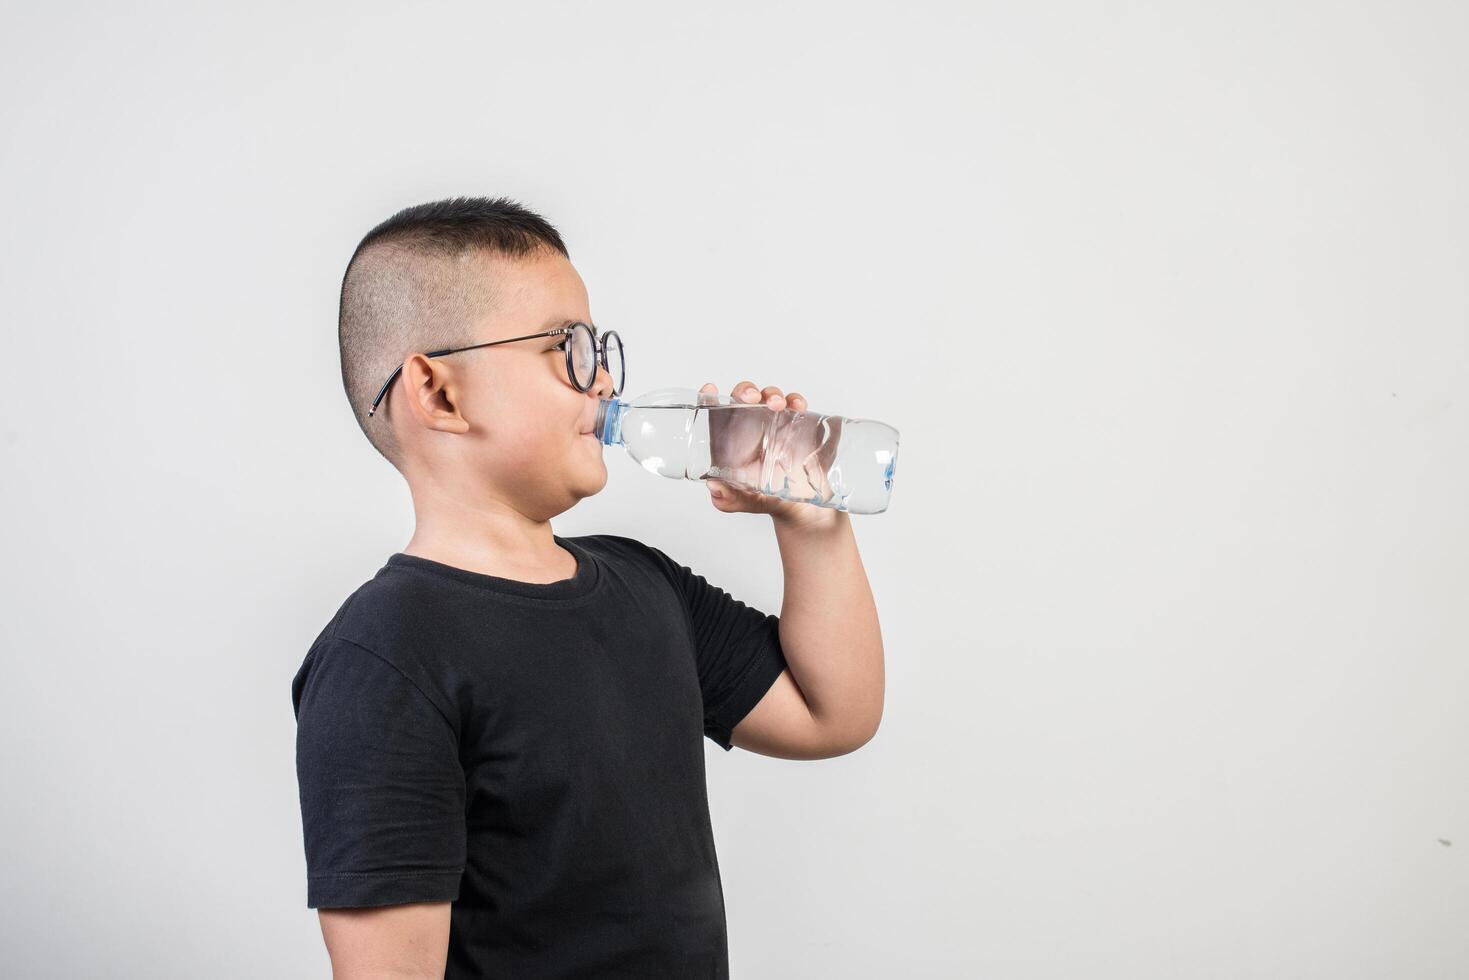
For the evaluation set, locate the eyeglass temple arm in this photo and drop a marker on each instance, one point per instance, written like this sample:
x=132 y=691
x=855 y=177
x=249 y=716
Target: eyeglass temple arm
x=384 y=389
x=399 y=370
x=454 y=350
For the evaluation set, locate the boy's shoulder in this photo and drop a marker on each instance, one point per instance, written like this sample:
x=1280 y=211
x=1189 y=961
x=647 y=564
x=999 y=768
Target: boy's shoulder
x=619 y=545
x=371 y=621
x=379 y=608
x=626 y=551
x=610 y=541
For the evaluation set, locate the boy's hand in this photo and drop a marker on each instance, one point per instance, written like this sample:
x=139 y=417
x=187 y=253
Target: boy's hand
x=732 y=499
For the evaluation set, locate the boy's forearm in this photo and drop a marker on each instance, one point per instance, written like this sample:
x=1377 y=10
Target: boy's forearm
x=828 y=622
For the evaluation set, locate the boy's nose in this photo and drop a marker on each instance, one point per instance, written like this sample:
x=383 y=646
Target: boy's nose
x=601 y=383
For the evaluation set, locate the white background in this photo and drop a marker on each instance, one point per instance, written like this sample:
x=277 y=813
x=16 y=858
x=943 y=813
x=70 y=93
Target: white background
x=1167 y=301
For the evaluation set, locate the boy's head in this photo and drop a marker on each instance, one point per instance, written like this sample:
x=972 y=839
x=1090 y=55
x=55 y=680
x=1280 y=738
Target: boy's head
x=504 y=420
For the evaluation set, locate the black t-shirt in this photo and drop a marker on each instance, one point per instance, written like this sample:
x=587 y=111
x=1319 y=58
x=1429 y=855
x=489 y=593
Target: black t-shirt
x=532 y=753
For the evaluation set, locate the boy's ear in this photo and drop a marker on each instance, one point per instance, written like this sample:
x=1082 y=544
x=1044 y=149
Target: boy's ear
x=432 y=393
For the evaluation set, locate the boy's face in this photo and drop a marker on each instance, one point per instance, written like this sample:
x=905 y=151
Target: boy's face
x=525 y=444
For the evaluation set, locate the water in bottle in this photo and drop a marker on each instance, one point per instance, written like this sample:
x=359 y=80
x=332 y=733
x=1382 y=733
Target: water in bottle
x=826 y=460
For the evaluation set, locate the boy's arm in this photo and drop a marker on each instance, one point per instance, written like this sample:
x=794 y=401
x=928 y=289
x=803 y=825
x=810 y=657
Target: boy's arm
x=392 y=942
x=829 y=702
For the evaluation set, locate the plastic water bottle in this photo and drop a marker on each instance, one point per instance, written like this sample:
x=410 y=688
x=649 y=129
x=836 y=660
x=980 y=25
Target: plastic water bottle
x=826 y=460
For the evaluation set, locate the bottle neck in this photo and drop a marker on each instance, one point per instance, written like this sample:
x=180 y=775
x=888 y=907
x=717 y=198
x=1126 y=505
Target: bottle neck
x=608 y=427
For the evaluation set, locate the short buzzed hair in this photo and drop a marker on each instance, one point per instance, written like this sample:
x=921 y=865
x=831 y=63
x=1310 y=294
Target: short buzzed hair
x=412 y=285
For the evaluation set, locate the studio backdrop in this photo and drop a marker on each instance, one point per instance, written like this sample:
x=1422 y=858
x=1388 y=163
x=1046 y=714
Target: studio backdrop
x=1166 y=301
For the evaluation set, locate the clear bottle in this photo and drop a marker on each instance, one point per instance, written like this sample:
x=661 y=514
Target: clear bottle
x=826 y=460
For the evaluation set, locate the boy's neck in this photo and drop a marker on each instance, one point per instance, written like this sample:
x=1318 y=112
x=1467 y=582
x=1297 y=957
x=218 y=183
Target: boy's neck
x=488 y=538
x=555 y=564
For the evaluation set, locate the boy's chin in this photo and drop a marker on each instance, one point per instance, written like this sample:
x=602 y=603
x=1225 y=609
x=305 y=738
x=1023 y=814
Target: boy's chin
x=594 y=481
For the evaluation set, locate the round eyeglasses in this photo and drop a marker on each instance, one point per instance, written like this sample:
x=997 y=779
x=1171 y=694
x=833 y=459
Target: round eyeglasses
x=583 y=352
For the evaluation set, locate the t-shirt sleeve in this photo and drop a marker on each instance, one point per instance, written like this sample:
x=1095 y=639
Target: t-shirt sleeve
x=737 y=649
x=382 y=788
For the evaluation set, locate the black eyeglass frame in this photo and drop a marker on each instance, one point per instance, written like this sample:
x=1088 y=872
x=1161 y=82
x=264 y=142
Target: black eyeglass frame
x=599 y=355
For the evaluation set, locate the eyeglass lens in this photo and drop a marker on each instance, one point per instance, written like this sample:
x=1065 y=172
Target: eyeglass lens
x=584 y=357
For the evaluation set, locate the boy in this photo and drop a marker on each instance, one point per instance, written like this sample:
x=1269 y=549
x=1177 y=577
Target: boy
x=499 y=735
